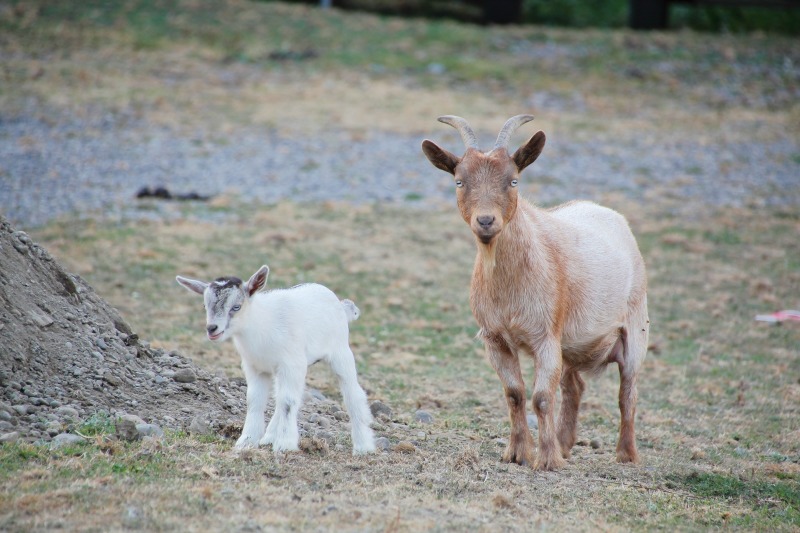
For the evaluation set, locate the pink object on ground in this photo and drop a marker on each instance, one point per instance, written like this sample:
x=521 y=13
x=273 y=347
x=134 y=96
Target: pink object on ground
x=788 y=315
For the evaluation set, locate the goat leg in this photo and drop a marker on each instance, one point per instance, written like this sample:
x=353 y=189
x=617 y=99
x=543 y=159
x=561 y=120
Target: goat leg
x=506 y=364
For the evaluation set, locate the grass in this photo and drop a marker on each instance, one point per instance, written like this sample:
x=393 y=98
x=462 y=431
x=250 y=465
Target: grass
x=718 y=395
x=718 y=425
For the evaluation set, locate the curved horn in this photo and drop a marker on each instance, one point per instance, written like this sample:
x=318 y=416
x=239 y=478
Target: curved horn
x=467 y=135
x=508 y=130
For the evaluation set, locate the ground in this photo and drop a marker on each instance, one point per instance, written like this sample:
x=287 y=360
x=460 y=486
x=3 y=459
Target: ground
x=314 y=165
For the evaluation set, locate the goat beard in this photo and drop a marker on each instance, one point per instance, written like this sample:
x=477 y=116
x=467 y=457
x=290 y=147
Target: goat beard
x=487 y=253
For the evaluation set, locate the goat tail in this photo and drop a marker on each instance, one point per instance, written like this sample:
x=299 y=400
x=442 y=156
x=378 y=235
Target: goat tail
x=351 y=310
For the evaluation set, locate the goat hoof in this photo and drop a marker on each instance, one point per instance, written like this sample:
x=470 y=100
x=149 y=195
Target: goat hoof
x=553 y=462
x=626 y=456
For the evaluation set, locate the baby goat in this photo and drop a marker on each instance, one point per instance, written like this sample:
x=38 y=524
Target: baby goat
x=278 y=334
x=566 y=285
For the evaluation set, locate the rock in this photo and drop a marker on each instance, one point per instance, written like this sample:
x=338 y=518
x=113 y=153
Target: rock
x=111 y=379
x=67 y=411
x=533 y=422
x=340 y=415
x=9 y=437
x=133 y=518
x=65 y=439
x=184 y=375
x=6 y=426
x=382 y=444
x=101 y=343
x=423 y=417
x=149 y=430
x=405 y=446
x=314 y=393
x=23 y=409
x=595 y=444
x=199 y=426
x=5 y=416
x=54 y=427
x=126 y=428
x=379 y=408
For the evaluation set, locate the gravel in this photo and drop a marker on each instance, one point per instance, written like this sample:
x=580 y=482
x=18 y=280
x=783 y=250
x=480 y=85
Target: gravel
x=87 y=167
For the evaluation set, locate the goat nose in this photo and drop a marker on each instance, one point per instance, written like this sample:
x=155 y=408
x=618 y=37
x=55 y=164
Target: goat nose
x=212 y=328
x=485 y=221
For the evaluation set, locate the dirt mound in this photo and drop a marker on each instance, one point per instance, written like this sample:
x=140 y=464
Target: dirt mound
x=65 y=355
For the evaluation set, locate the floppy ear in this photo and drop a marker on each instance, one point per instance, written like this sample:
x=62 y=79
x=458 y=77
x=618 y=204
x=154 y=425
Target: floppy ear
x=192 y=284
x=527 y=154
x=439 y=157
x=257 y=281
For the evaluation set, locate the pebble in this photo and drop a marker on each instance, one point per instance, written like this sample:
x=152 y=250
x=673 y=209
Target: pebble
x=64 y=439
x=184 y=375
x=149 y=430
x=5 y=416
x=340 y=415
x=126 y=427
x=382 y=443
x=67 y=411
x=423 y=417
x=23 y=409
x=379 y=408
x=54 y=427
x=595 y=444
x=199 y=426
x=10 y=437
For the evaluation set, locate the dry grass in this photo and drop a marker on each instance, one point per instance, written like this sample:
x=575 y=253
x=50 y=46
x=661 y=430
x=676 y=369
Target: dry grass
x=719 y=422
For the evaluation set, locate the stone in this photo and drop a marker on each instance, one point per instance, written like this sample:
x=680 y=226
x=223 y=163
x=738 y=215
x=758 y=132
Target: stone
x=382 y=444
x=149 y=430
x=126 y=428
x=423 y=417
x=199 y=426
x=379 y=408
x=67 y=411
x=54 y=427
x=595 y=444
x=5 y=416
x=9 y=437
x=66 y=439
x=340 y=415
x=185 y=375
x=23 y=409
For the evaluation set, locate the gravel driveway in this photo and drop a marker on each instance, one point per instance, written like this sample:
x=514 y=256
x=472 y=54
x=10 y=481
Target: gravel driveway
x=49 y=169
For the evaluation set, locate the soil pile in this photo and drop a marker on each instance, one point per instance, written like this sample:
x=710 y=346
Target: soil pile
x=66 y=354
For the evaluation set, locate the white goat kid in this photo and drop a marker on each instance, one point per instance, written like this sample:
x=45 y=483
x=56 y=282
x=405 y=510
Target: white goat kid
x=278 y=334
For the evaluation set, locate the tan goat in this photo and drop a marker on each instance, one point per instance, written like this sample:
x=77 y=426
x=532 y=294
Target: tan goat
x=566 y=285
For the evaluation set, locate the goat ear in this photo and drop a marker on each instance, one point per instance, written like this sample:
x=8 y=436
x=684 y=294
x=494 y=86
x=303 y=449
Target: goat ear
x=257 y=281
x=439 y=157
x=192 y=284
x=530 y=152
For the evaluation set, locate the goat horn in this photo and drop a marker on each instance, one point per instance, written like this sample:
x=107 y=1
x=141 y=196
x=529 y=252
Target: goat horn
x=467 y=135
x=508 y=130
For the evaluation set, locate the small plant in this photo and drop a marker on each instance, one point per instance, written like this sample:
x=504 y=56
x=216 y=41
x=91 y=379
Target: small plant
x=100 y=423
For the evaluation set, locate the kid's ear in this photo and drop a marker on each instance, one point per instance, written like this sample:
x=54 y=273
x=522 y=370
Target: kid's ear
x=439 y=157
x=192 y=284
x=257 y=281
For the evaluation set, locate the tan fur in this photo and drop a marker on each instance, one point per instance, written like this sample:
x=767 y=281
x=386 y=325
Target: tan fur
x=565 y=285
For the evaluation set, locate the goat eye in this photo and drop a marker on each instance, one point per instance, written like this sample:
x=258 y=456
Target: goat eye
x=236 y=308
x=459 y=183
x=514 y=183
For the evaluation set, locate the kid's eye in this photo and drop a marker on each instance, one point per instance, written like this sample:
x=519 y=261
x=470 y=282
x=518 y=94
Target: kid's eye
x=513 y=183
x=236 y=308
x=459 y=183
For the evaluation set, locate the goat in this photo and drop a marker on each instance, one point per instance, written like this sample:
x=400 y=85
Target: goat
x=279 y=334
x=566 y=285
